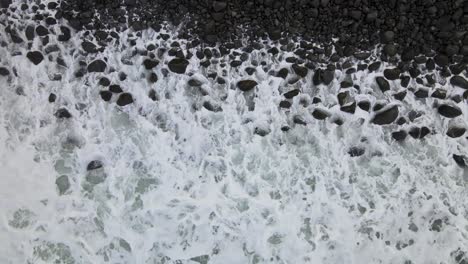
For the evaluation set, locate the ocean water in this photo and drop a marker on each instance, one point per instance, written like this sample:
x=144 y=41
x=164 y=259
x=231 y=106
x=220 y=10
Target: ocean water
x=181 y=184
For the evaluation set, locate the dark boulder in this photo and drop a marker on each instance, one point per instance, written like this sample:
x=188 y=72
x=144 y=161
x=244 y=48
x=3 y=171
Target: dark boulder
x=383 y=84
x=178 y=65
x=320 y=114
x=386 y=116
x=449 y=111
x=124 y=99
x=35 y=57
x=291 y=94
x=246 y=85
x=456 y=131
x=399 y=135
x=392 y=74
x=459 y=82
x=97 y=66
x=4 y=71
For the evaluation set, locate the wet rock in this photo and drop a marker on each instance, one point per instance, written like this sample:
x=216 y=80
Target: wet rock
x=178 y=65
x=441 y=60
x=455 y=131
x=386 y=116
x=150 y=64
x=261 y=131
x=419 y=133
x=153 y=77
x=298 y=119
x=194 y=83
x=63 y=113
x=153 y=95
x=461 y=160
x=5 y=3
x=104 y=81
x=374 y=66
x=421 y=93
x=356 y=151
x=212 y=106
x=349 y=108
x=364 y=105
x=439 y=93
x=387 y=37
x=346 y=84
x=436 y=225
x=459 y=82
x=219 y=6
x=63 y=184
x=449 y=111
x=94 y=165
x=124 y=99
x=42 y=31
x=383 y=84
x=250 y=70
x=399 y=135
x=285 y=104
x=97 y=66
x=320 y=114
x=35 y=57
x=300 y=70
x=291 y=94
x=400 y=96
x=115 y=88
x=283 y=73
x=392 y=74
x=52 y=98
x=405 y=80
x=4 y=71
x=105 y=95
x=89 y=47
x=246 y=85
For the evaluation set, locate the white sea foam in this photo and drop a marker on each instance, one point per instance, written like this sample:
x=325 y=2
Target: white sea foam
x=192 y=186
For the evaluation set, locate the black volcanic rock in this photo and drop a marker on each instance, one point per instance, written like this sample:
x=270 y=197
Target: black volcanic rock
x=124 y=99
x=4 y=71
x=386 y=116
x=383 y=84
x=35 y=57
x=459 y=82
x=97 y=66
x=449 y=111
x=246 y=85
x=456 y=131
x=178 y=65
x=399 y=135
x=63 y=113
x=320 y=114
x=392 y=74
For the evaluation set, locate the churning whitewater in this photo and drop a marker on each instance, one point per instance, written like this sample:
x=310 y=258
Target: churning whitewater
x=187 y=169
